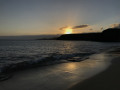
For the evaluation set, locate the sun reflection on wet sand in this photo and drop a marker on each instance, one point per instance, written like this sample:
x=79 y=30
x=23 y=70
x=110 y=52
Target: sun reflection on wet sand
x=71 y=66
x=85 y=69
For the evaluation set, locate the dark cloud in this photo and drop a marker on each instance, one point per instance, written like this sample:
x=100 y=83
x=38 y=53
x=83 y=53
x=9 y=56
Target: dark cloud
x=63 y=28
x=74 y=27
x=115 y=25
x=91 y=29
x=80 y=26
x=101 y=28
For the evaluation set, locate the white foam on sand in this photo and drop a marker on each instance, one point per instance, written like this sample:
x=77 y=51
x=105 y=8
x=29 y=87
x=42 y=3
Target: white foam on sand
x=57 y=77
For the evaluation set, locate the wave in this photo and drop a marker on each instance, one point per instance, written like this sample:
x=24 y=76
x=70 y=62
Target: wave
x=11 y=66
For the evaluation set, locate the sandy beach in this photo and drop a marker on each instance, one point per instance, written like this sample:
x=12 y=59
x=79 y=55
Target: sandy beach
x=56 y=77
x=59 y=44
x=107 y=80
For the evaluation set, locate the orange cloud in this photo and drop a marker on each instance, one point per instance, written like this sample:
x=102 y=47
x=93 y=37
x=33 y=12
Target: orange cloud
x=117 y=25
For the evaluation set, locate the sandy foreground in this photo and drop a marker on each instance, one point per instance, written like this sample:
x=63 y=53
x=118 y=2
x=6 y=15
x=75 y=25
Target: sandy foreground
x=69 y=75
x=107 y=80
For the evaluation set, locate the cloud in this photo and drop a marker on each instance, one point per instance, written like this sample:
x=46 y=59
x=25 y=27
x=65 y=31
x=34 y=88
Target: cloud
x=80 y=26
x=74 y=27
x=117 y=25
x=91 y=29
x=63 y=28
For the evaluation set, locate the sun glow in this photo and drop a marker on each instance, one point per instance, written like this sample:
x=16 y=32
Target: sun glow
x=68 y=31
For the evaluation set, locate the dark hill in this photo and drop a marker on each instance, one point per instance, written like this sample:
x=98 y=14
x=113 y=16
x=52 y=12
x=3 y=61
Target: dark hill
x=108 y=35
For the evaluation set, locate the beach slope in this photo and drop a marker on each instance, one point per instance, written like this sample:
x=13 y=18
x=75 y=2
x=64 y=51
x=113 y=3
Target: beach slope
x=107 y=80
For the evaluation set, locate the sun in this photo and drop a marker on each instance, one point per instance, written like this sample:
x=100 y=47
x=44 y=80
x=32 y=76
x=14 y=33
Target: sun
x=68 y=31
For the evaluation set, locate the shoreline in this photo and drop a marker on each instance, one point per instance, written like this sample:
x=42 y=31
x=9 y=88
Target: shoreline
x=106 y=80
x=62 y=75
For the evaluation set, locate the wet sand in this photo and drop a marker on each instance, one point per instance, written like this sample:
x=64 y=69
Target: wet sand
x=107 y=80
x=56 y=77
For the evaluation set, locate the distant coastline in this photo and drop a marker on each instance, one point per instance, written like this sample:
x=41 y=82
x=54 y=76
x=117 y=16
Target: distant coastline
x=29 y=37
x=108 y=35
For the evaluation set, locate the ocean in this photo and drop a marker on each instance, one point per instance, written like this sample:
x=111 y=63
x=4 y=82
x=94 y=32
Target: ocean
x=22 y=54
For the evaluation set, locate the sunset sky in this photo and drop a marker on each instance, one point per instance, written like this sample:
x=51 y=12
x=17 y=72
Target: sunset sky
x=35 y=17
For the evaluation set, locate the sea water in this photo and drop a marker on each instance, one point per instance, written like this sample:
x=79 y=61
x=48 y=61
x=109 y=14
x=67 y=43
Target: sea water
x=16 y=54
